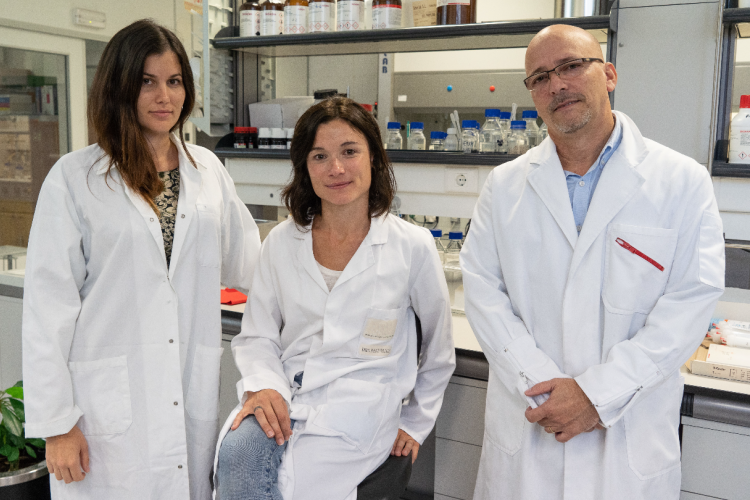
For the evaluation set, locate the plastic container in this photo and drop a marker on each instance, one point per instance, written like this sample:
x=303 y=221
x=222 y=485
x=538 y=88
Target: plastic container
x=739 y=133
x=264 y=138
x=438 y=235
x=321 y=16
x=417 y=140
x=452 y=143
x=295 y=17
x=272 y=19
x=437 y=141
x=350 y=15
x=456 y=12
x=278 y=138
x=452 y=266
x=393 y=138
x=250 y=15
x=532 y=129
x=245 y=137
x=518 y=141
x=490 y=131
x=386 y=14
x=470 y=136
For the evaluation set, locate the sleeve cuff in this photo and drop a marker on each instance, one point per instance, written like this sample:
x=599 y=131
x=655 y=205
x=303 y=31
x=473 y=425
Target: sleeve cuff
x=533 y=365
x=256 y=383
x=55 y=427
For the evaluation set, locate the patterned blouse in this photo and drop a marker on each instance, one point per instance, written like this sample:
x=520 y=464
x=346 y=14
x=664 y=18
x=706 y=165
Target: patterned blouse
x=166 y=202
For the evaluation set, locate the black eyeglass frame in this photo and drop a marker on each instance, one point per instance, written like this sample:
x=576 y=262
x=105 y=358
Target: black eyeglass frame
x=554 y=70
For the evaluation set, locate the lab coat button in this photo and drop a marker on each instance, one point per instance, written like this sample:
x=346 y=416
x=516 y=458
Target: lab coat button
x=175 y=403
x=182 y=216
x=579 y=228
x=171 y=341
x=179 y=466
x=152 y=219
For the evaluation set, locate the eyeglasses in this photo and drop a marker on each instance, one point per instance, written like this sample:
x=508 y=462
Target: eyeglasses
x=566 y=71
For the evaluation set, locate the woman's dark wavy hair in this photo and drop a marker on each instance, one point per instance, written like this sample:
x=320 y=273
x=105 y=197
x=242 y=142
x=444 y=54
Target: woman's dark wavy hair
x=113 y=101
x=298 y=195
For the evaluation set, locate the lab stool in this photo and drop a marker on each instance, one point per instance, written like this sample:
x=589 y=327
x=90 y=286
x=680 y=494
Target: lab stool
x=388 y=481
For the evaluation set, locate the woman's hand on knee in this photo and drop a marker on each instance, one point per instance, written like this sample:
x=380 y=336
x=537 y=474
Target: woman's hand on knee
x=270 y=411
x=68 y=456
x=404 y=445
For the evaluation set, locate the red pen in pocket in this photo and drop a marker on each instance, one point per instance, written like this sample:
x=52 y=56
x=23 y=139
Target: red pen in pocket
x=630 y=248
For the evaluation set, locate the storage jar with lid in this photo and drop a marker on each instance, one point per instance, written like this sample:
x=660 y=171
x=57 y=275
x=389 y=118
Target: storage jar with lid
x=350 y=15
x=278 y=138
x=272 y=19
x=250 y=15
x=264 y=138
x=456 y=12
x=295 y=17
x=386 y=14
x=321 y=16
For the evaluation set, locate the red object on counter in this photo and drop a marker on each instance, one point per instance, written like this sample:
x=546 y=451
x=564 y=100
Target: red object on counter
x=232 y=297
x=492 y=88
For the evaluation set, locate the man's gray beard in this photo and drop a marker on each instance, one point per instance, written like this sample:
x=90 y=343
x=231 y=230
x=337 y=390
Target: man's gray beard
x=569 y=128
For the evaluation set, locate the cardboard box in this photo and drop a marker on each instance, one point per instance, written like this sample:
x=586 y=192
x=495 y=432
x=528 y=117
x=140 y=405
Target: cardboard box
x=700 y=363
x=279 y=113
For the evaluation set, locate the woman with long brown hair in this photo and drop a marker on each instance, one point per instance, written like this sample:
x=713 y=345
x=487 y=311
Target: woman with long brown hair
x=131 y=241
x=333 y=377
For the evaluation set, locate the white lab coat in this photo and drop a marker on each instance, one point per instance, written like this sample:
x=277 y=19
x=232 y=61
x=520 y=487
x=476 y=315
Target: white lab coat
x=118 y=344
x=357 y=347
x=545 y=302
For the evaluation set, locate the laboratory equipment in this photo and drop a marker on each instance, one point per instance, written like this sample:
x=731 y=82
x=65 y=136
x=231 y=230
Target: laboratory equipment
x=532 y=129
x=295 y=17
x=386 y=14
x=489 y=132
x=272 y=18
x=739 y=133
x=456 y=12
x=452 y=266
x=250 y=15
x=451 y=141
x=470 y=136
x=438 y=235
x=350 y=15
x=264 y=138
x=393 y=139
x=518 y=141
x=437 y=141
x=417 y=140
x=320 y=16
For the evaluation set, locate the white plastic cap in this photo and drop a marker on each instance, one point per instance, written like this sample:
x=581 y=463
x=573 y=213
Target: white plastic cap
x=264 y=132
x=278 y=133
x=451 y=131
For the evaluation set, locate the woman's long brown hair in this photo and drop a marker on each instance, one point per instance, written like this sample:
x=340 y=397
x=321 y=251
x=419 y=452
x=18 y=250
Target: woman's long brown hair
x=112 y=109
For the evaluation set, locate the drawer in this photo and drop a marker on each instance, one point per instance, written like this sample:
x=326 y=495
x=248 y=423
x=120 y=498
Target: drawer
x=456 y=467
x=462 y=415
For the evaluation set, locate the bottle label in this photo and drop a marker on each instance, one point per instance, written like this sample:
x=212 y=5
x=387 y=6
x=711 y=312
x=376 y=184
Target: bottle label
x=445 y=3
x=295 y=19
x=351 y=15
x=386 y=17
x=321 y=18
x=739 y=145
x=272 y=22
x=249 y=23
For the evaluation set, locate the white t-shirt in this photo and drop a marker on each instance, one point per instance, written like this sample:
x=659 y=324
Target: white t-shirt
x=329 y=276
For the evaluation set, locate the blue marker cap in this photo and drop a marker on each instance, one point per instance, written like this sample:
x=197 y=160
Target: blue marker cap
x=529 y=114
x=394 y=126
x=455 y=235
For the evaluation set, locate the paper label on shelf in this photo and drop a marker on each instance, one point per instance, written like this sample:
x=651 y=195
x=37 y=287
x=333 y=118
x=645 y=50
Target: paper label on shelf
x=351 y=15
x=250 y=23
x=272 y=22
x=386 y=17
x=425 y=12
x=295 y=19
x=321 y=17
x=444 y=3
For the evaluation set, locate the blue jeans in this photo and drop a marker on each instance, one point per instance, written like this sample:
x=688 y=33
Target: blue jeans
x=248 y=464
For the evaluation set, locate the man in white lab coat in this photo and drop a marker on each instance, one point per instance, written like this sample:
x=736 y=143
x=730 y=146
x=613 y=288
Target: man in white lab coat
x=591 y=269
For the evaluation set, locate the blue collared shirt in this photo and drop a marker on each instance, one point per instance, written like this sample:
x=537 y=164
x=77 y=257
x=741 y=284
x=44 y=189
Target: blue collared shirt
x=581 y=189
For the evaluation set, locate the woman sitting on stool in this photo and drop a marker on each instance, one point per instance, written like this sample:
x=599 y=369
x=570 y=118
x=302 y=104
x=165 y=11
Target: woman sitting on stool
x=328 y=344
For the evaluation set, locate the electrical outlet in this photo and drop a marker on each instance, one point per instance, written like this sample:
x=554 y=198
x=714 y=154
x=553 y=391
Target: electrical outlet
x=461 y=180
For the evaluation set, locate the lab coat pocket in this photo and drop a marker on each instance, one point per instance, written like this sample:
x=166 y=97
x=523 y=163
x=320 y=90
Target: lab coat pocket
x=101 y=390
x=209 y=236
x=378 y=332
x=651 y=430
x=355 y=409
x=638 y=261
x=504 y=416
x=203 y=392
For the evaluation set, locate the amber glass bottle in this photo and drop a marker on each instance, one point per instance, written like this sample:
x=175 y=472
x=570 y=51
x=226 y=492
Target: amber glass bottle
x=272 y=20
x=456 y=12
x=295 y=17
x=250 y=18
x=386 y=14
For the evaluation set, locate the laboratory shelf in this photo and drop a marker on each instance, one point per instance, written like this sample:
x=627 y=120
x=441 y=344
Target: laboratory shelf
x=420 y=39
x=724 y=169
x=401 y=156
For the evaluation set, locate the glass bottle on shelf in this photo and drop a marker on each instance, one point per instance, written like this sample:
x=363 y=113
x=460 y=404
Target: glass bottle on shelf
x=451 y=141
x=532 y=129
x=350 y=15
x=437 y=141
x=470 y=136
x=321 y=16
x=393 y=139
x=452 y=266
x=386 y=14
x=488 y=133
x=417 y=140
x=272 y=20
x=295 y=17
x=250 y=15
x=518 y=141
x=438 y=235
x=456 y=12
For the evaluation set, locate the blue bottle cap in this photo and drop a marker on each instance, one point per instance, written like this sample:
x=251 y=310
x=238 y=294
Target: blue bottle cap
x=455 y=235
x=417 y=125
x=529 y=114
x=438 y=135
x=475 y=124
x=394 y=126
x=466 y=123
x=505 y=115
x=437 y=233
x=492 y=113
x=516 y=124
